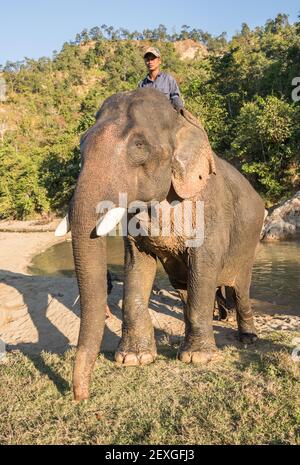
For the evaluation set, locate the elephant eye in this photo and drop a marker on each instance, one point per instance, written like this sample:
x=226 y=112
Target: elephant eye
x=138 y=152
x=139 y=145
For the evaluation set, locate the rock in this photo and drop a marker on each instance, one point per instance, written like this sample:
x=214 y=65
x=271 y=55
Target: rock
x=284 y=222
x=189 y=49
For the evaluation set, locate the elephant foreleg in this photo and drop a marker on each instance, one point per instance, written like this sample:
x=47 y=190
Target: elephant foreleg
x=137 y=346
x=199 y=343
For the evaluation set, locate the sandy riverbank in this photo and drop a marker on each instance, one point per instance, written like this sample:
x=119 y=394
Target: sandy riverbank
x=38 y=312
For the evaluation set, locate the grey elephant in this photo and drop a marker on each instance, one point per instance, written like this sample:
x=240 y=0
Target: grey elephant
x=141 y=146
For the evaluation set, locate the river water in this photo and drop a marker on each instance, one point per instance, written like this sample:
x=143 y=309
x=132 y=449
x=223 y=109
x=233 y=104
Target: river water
x=276 y=273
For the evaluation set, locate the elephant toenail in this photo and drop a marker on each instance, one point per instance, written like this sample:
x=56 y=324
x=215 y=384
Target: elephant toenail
x=130 y=360
x=201 y=357
x=145 y=359
x=185 y=357
x=119 y=357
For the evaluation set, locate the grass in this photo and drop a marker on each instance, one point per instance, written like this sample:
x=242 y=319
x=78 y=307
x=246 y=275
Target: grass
x=250 y=396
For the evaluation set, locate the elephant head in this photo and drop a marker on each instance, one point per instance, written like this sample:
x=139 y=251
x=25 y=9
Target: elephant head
x=140 y=146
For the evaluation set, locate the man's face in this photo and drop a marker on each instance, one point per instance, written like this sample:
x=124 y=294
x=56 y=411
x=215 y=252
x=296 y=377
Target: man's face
x=152 y=62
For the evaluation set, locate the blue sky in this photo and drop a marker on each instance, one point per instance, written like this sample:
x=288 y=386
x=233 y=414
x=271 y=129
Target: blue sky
x=34 y=28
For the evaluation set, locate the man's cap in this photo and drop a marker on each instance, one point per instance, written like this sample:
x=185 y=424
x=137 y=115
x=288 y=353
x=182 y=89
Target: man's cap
x=154 y=52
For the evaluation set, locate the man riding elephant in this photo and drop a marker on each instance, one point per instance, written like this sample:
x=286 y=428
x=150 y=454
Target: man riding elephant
x=157 y=79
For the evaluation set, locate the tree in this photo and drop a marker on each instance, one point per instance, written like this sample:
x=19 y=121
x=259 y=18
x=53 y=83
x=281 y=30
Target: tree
x=161 y=32
x=241 y=92
x=84 y=36
x=184 y=33
x=95 y=33
x=266 y=143
x=245 y=29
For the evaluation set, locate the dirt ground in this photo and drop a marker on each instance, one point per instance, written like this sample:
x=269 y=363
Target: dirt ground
x=38 y=312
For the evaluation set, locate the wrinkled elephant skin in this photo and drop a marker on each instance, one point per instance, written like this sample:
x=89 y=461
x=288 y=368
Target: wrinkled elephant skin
x=141 y=146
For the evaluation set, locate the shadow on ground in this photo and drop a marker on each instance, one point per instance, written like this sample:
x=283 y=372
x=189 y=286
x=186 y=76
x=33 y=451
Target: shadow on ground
x=39 y=315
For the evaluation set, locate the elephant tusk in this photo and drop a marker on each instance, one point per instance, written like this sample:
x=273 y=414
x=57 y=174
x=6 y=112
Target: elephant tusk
x=110 y=221
x=63 y=228
x=76 y=300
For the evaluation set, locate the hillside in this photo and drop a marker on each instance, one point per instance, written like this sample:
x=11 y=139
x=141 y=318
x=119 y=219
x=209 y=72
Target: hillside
x=240 y=90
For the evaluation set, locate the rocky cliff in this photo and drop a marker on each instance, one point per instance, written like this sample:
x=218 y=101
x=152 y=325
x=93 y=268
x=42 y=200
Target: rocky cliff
x=283 y=223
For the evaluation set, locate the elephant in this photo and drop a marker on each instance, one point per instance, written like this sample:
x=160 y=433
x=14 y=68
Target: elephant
x=141 y=146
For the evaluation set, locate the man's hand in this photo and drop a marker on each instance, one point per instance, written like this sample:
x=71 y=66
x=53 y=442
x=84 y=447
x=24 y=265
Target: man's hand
x=190 y=118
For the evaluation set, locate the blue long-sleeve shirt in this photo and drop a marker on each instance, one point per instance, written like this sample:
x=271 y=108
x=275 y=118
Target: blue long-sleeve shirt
x=166 y=84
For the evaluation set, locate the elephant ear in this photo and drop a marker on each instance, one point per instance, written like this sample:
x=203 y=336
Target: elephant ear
x=193 y=161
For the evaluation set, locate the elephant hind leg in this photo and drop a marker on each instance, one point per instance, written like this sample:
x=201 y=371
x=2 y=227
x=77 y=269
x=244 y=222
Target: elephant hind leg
x=245 y=321
x=226 y=303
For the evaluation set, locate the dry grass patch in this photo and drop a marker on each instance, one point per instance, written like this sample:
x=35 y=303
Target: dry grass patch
x=250 y=396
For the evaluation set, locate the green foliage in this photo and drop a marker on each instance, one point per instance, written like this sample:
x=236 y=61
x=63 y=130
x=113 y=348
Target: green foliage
x=241 y=91
x=21 y=193
x=125 y=67
x=89 y=107
x=208 y=106
x=267 y=141
x=60 y=169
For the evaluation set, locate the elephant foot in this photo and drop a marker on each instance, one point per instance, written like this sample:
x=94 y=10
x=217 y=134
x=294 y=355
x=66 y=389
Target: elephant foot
x=248 y=338
x=133 y=359
x=134 y=351
x=246 y=331
x=198 y=357
x=197 y=353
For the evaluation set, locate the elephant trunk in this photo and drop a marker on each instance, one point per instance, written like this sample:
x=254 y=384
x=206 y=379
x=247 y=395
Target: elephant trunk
x=89 y=253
